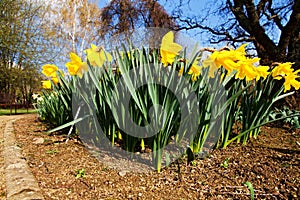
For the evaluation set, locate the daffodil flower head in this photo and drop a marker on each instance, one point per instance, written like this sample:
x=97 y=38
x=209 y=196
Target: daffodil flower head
x=54 y=76
x=169 y=49
x=262 y=72
x=291 y=77
x=76 y=66
x=55 y=80
x=225 y=58
x=46 y=84
x=97 y=56
x=195 y=69
x=246 y=69
x=240 y=52
x=282 y=69
x=291 y=80
x=49 y=70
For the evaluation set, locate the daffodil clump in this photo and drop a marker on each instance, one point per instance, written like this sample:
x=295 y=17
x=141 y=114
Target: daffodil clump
x=248 y=93
x=233 y=61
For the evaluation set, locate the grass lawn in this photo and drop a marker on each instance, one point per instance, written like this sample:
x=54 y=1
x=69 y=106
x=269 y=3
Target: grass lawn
x=19 y=111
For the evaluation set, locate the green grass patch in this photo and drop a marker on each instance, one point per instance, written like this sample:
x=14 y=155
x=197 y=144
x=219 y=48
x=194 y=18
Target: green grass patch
x=18 y=111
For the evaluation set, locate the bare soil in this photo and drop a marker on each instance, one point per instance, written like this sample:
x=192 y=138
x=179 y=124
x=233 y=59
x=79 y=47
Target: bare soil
x=270 y=163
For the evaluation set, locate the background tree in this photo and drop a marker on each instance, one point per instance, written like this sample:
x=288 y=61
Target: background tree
x=121 y=16
x=24 y=46
x=272 y=26
x=76 y=23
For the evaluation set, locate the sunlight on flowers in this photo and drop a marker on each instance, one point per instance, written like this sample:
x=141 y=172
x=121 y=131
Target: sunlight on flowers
x=49 y=70
x=290 y=80
x=54 y=79
x=226 y=58
x=282 y=69
x=246 y=69
x=285 y=70
x=97 y=56
x=195 y=70
x=262 y=72
x=169 y=49
x=76 y=66
x=220 y=58
x=46 y=84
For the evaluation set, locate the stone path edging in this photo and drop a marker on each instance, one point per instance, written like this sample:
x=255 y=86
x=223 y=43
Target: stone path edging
x=19 y=181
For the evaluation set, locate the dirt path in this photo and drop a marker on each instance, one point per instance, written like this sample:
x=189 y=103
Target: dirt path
x=16 y=180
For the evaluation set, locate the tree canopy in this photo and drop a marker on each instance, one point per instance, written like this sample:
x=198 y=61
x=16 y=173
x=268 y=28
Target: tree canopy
x=24 y=45
x=272 y=26
x=124 y=15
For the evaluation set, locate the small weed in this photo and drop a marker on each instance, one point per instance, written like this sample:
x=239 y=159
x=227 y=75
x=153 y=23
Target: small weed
x=250 y=186
x=54 y=151
x=104 y=169
x=225 y=163
x=80 y=173
x=194 y=163
x=47 y=140
x=284 y=165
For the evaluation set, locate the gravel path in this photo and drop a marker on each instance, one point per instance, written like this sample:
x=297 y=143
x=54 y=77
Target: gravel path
x=16 y=180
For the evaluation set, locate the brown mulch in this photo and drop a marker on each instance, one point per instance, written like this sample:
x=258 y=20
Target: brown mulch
x=270 y=163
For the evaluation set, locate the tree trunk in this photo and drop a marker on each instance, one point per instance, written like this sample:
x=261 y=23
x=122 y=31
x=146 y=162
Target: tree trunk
x=294 y=50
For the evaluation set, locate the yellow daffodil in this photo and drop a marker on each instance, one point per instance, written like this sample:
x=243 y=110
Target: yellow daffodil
x=240 y=52
x=49 y=70
x=169 y=49
x=290 y=80
x=76 y=66
x=246 y=69
x=97 y=56
x=282 y=69
x=262 y=72
x=46 y=84
x=195 y=70
x=218 y=59
x=54 y=79
x=226 y=58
